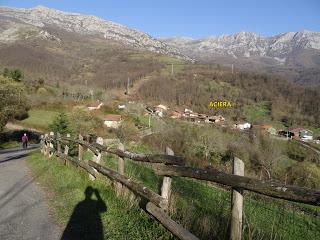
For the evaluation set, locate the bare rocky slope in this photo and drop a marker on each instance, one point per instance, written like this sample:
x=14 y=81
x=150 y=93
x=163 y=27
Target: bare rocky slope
x=40 y=17
x=294 y=54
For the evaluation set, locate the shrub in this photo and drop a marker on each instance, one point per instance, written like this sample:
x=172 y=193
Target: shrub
x=84 y=122
x=42 y=91
x=127 y=132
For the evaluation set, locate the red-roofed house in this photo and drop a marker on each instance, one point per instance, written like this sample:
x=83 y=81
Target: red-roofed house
x=112 y=120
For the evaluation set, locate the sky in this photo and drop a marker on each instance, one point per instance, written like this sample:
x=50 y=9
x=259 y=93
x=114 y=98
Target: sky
x=195 y=18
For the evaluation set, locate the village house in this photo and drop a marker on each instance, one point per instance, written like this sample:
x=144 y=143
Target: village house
x=121 y=106
x=242 y=126
x=203 y=117
x=95 y=107
x=188 y=113
x=112 y=120
x=296 y=132
x=161 y=110
x=175 y=114
x=216 y=119
x=306 y=135
x=285 y=133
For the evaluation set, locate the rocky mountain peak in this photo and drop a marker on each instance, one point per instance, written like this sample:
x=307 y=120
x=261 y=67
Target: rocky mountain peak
x=41 y=17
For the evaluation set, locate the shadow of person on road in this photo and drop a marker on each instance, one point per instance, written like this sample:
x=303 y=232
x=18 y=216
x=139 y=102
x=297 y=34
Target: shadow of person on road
x=85 y=222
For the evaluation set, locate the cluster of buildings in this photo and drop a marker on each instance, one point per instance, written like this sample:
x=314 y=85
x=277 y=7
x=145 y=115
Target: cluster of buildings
x=187 y=114
x=293 y=133
x=297 y=133
x=114 y=121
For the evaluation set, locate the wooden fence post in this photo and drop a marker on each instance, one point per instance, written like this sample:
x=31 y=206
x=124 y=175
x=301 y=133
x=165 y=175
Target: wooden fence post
x=237 y=203
x=58 y=143
x=42 y=144
x=45 y=151
x=51 y=146
x=80 y=150
x=66 y=150
x=96 y=157
x=120 y=169
x=166 y=183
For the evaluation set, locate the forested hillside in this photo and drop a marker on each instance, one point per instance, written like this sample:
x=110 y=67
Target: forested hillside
x=276 y=98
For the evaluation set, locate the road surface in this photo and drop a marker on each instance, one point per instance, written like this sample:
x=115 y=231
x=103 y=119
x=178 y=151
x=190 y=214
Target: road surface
x=24 y=213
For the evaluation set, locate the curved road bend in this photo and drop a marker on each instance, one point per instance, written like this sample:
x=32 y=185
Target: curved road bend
x=24 y=213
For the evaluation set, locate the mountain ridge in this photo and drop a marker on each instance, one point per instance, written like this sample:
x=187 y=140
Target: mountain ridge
x=41 y=16
x=293 y=54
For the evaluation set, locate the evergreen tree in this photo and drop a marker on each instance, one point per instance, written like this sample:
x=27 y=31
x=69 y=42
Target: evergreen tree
x=60 y=124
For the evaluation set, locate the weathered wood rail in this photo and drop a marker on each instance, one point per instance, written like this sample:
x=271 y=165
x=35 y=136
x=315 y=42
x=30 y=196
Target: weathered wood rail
x=168 y=165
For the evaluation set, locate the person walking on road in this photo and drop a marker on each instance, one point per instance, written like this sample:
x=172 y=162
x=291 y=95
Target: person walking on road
x=24 y=141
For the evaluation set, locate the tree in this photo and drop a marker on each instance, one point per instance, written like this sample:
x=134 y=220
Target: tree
x=11 y=100
x=41 y=82
x=16 y=75
x=60 y=124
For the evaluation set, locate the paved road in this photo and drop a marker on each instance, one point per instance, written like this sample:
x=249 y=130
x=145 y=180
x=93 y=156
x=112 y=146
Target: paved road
x=24 y=213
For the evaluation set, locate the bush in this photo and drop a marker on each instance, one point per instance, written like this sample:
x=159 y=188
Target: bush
x=84 y=122
x=127 y=132
x=15 y=74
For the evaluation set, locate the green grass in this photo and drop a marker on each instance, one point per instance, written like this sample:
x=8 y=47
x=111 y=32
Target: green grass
x=123 y=218
x=205 y=209
x=202 y=208
x=257 y=113
x=10 y=144
x=178 y=64
x=39 y=118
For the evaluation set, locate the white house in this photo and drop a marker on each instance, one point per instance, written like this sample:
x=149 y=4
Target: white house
x=242 y=126
x=112 y=120
x=121 y=106
x=161 y=109
x=95 y=107
x=306 y=135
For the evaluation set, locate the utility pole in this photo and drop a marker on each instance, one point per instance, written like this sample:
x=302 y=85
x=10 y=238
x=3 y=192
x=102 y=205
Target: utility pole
x=128 y=84
x=171 y=68
x=232 y=68
x=149 y=119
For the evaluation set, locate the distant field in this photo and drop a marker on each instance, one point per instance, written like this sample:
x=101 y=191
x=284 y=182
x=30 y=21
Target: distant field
x=257 y=113
x=178 y=64
x=39 y=119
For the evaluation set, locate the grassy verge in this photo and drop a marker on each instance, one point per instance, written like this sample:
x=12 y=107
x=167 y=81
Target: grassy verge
x=10 y=144
x=202 y=208
x=66 y=185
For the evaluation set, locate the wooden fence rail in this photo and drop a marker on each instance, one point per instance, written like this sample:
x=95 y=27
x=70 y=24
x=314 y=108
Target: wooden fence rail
x=268 y=188
x=168 y=165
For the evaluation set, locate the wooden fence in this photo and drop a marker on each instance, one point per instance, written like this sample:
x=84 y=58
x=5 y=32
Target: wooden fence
x=169 y=165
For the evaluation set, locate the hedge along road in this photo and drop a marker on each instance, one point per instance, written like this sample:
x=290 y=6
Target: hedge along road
x=24 y=213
